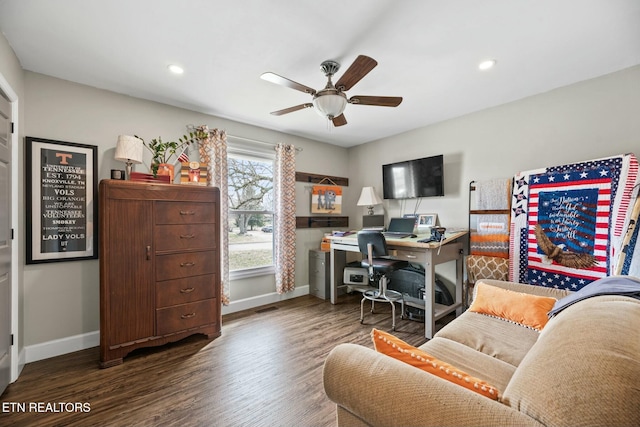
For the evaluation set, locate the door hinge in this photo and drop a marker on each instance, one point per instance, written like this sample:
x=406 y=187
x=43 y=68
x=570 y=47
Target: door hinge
x=11 y=339
x=12 y=130
x=12 y=234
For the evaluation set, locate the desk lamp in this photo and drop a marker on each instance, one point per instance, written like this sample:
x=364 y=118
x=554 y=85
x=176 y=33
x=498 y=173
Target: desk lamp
x=369 y=198
x=129 y=150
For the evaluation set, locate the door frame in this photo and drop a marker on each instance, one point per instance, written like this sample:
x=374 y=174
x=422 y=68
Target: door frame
x=16 y=363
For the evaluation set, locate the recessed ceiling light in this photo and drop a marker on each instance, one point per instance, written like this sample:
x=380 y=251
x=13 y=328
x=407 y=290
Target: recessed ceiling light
x=485 y=65
x=175 y=69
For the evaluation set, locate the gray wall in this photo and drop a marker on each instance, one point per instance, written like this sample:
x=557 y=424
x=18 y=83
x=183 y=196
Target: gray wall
x=588 y=120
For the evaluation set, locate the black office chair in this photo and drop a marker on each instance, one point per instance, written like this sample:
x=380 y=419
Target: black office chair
x=373 y=244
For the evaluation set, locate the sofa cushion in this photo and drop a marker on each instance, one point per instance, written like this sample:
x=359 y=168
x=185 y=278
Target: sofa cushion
x=393 y=346
x=584 y=369
x=495 y=337
x=519 y=307
x=492 y=370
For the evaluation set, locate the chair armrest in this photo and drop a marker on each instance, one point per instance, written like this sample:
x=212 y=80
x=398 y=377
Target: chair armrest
x=383 y=391
x=527 y=289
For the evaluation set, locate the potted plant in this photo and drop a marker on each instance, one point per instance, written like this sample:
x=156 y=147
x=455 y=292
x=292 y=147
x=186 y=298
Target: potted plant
x=163 y=151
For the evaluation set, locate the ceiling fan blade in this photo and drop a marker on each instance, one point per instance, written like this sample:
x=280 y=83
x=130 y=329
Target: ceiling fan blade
x=382 y=101
x=279 y=80
x=341 y=120
x=292 y=109
x=360 y=68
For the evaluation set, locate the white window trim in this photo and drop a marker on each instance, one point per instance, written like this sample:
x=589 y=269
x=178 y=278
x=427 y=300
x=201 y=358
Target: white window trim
x=252 y=272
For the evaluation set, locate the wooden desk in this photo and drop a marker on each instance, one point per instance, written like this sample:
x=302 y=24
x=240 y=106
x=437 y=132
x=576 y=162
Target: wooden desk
x=409 y=249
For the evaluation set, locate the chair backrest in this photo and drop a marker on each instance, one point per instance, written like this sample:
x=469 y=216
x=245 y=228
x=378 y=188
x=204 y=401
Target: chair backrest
x=377 y=241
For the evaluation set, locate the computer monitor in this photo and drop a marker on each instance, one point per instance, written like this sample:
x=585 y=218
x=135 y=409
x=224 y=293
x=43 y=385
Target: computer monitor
x=373 y=222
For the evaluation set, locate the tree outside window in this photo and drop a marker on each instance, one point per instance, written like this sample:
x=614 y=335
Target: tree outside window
x=250 y=225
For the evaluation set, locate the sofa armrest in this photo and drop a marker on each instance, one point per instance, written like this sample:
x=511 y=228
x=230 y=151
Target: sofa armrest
x=383 y=391
x=527 y=289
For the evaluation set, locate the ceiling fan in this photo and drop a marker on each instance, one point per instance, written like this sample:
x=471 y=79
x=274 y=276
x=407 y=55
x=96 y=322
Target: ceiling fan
x=331 y=101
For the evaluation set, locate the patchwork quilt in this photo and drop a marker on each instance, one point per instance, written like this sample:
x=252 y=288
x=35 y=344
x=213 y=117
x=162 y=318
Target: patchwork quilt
x=573 y=224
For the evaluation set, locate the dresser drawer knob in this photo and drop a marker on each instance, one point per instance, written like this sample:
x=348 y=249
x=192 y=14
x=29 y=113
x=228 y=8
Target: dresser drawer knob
x=188 y=316
x=187 y=290
x=187 y=264
x=187 y=213
x=187 y=236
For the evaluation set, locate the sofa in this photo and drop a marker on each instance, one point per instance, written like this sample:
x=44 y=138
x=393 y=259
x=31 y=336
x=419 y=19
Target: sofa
x=582 y=368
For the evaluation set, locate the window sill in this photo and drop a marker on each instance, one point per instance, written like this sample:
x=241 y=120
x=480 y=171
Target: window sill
x=252 y=272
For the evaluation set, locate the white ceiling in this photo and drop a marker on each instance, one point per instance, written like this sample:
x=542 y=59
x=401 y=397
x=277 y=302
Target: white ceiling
x=427 y=52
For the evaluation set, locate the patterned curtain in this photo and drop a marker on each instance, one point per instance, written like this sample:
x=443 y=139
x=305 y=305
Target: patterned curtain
x=213 y=152
x=284 y=224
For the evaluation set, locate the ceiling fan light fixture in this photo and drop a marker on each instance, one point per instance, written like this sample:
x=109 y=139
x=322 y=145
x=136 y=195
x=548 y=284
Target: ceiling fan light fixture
x=330 y=105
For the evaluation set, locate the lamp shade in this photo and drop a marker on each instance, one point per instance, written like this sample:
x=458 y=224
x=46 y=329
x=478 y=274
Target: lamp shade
x=330 y=105
x=129 y=149
x=369 y=198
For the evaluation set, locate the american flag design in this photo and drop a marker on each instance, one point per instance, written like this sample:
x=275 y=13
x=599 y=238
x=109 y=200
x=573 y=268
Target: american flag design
x=184 y=157
x=583 y=209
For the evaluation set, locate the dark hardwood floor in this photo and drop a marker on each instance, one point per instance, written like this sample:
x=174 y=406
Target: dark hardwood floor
x=265 y=370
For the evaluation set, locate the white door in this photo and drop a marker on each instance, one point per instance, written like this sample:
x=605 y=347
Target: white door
x=5 y=242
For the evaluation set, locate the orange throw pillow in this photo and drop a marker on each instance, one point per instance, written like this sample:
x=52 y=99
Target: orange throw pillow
x=524 y=309
x=392 y=346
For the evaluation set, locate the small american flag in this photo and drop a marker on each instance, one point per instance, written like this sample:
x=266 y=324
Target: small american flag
x=184 y=157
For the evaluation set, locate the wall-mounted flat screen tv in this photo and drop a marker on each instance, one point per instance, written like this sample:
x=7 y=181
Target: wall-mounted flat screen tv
x=413 y=178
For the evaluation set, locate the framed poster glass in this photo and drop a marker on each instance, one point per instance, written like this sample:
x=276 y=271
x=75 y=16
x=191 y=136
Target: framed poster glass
x=61 y=195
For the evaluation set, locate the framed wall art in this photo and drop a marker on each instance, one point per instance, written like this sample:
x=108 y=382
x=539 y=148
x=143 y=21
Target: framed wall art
x=326 y=199
x=427 y=220
x=61 y=201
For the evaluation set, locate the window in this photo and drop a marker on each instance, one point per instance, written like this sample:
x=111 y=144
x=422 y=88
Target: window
x=250 y=213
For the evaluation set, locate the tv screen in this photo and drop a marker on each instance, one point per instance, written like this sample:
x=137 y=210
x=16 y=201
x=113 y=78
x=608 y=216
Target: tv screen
x=413 y=178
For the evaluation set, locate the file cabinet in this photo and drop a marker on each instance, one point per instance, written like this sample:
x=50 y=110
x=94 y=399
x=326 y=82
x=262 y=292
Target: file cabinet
x=319 y=283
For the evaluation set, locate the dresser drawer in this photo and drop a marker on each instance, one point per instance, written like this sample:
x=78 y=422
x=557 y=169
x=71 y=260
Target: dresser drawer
x=181 y=291
x=186 y=236
x=176 y=266
x=185 y=212
x=186 y=316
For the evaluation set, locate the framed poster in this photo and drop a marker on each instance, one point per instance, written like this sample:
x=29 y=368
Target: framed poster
x=326 y=199
x=427 y=220
x=61 y=201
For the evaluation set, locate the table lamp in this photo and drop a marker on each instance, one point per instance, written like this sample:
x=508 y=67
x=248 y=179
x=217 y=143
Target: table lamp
x=129 y=150
x=369 y=198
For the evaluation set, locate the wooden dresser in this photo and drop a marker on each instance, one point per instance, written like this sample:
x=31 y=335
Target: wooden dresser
x=159 y=265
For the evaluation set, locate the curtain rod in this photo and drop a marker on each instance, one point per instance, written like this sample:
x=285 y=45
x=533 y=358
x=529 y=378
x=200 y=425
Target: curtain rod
x=192 y=128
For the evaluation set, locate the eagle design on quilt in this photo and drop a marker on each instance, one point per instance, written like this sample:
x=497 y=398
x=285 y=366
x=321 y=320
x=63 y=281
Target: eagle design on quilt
x=563 y=257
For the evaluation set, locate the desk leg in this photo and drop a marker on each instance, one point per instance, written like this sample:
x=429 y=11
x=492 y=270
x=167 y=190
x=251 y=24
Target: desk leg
x=459 y=284
x=430 y=294
x=338 y=261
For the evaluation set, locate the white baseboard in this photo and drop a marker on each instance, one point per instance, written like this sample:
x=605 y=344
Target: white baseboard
x=258 y=301
x=45 y=350
x=61 y=346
